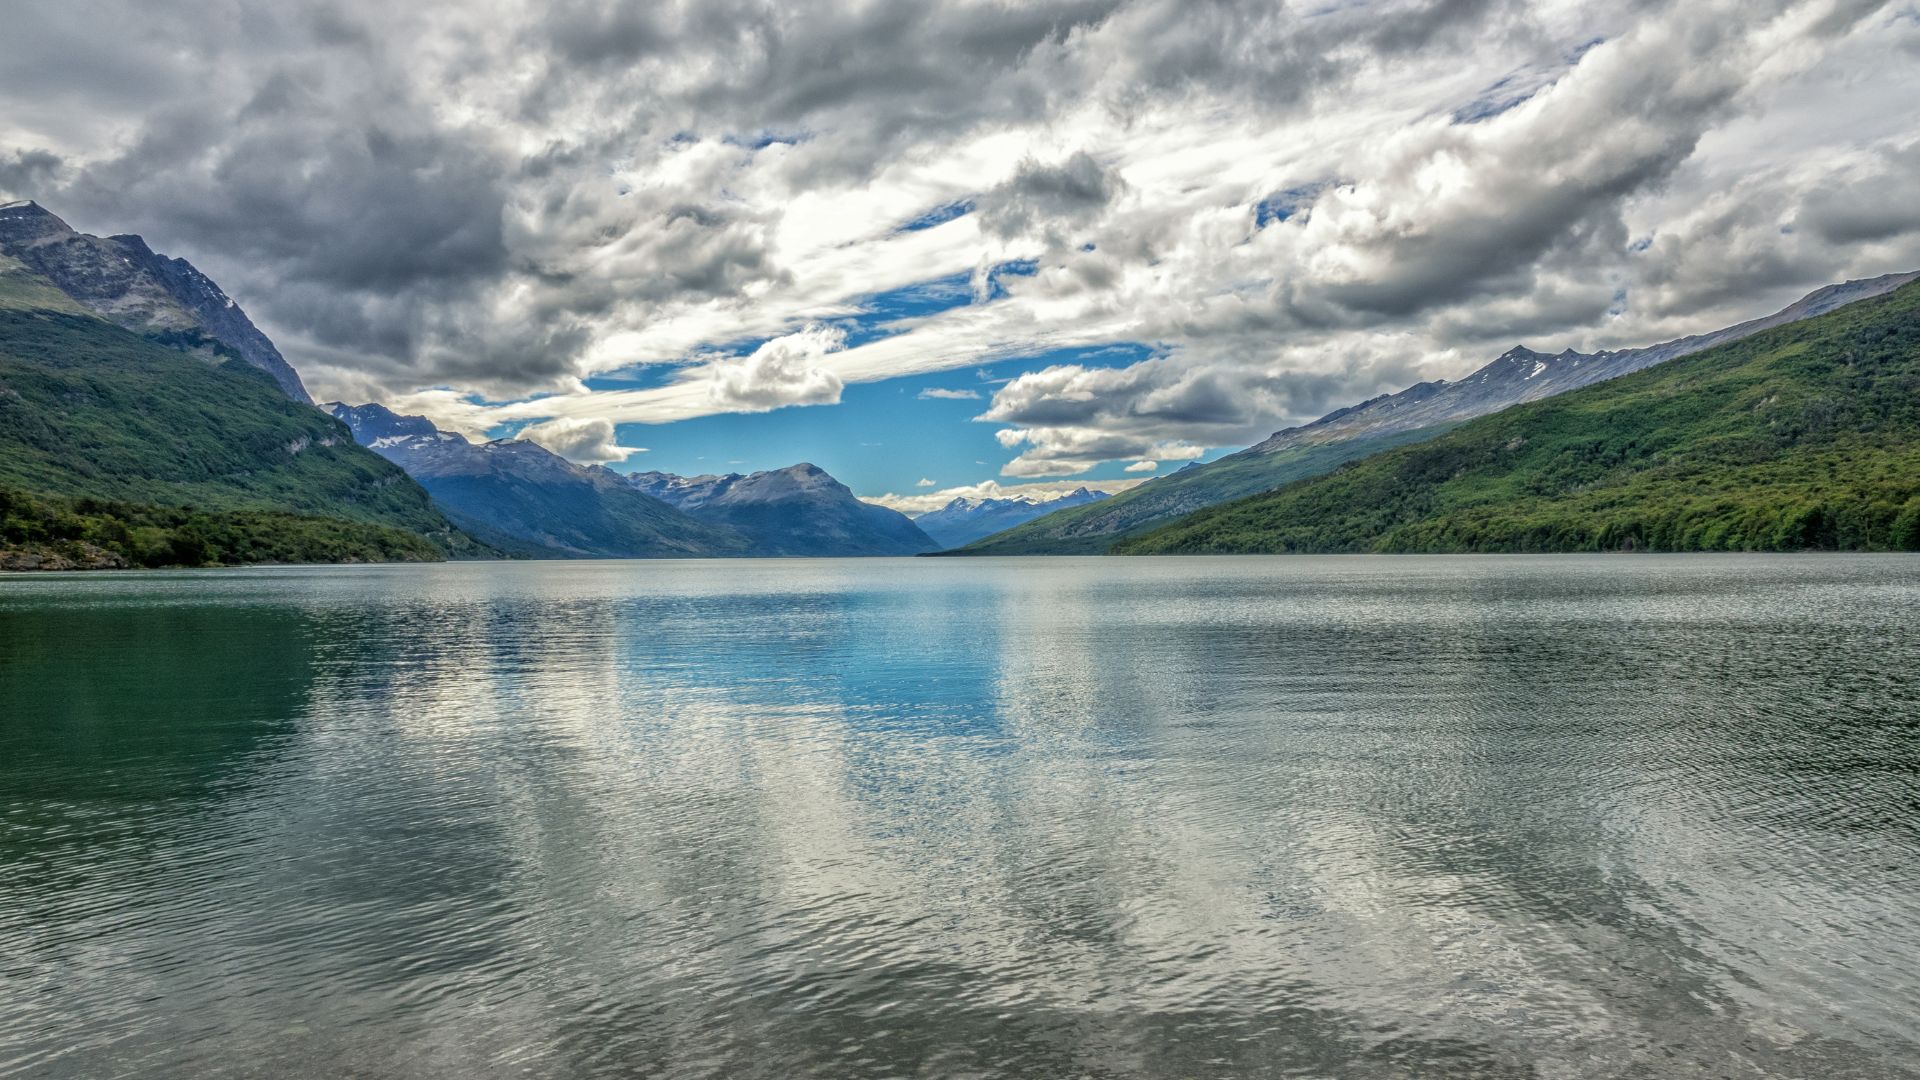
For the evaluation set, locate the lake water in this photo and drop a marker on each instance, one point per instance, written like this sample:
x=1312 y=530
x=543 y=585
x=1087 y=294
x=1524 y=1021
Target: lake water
x=1362 y=817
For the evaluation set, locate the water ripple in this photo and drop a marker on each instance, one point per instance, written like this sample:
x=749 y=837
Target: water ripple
x=1280 y=817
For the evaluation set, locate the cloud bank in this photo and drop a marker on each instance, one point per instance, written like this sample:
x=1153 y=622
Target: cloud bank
x=473 y=210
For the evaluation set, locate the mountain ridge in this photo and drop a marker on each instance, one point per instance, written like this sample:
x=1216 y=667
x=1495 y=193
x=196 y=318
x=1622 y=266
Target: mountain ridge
x=964 y=519
x=1803 y=435
x=122 y=279
x=1422 y=411
x=525 y=499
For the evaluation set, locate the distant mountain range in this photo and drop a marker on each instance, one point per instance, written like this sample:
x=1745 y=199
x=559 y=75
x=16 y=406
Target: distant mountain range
x=122 y=280
x=1803 y=435
x=1416 y=414
x=965 y=520
x=799 y=510
x=524 y=499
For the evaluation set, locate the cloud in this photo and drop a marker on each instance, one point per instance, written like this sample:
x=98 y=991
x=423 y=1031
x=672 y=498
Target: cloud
x=1143 y=466
x=1068 y=451
x=1037 y=491
x=1873 y=200
x=784 y=371
x=935 y=393
x=27 y=173
x=484 y=206
x=1042 y=198
x=585 y=442
x=923 y=482
x=1070 y=418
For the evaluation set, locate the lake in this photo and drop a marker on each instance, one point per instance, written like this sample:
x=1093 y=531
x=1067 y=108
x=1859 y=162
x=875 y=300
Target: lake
x=1328 y=817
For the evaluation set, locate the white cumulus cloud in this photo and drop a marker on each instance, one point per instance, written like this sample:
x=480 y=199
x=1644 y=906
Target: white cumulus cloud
x=784 y=371
x=585 y=442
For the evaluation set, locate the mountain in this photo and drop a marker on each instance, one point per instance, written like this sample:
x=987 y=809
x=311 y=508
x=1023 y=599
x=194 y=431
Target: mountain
x=527 y=500
x=121 y=279
x=116 y=450
x=799 y=510
x=1802 y=436
x=965 y=520
x=1413 y=415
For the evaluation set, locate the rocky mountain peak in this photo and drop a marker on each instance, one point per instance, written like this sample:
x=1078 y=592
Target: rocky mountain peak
x=125 y=281
x=27 y=222
x=133 y=242
x=375 y=421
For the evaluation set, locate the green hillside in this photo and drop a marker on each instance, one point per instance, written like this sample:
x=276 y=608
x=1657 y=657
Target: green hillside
x=42 y=533
x=89 y=411
x=1802 y=437
x=1092 y=528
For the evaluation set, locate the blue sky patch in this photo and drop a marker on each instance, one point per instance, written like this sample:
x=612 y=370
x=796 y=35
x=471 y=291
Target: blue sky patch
x=882 y=437
x=1011 y=268
x=768 y=138
x=939 y=215
x=1282 y=205
x=1516 y=89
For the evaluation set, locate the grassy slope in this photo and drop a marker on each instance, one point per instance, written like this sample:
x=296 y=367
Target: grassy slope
x=1805 y=436
x=23 y=290
x=91 y=411
x=1092 y=528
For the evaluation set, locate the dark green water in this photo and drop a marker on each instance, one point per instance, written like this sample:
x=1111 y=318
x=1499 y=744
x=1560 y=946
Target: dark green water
x=1415 y=817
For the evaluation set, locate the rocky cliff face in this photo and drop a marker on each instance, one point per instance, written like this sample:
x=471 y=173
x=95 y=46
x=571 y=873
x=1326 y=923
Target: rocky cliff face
x=215 y=311
x=374 y=421
x=122 y=279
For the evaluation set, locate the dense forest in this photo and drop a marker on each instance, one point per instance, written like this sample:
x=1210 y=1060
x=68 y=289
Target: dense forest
x=38 y=532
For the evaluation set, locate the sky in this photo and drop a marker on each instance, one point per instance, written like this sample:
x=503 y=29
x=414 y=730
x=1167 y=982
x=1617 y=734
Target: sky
x=965 y=246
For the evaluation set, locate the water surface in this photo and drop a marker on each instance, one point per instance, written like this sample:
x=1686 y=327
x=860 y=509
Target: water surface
x=1362 y=817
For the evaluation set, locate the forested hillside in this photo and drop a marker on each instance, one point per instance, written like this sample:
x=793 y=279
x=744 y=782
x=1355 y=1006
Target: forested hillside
x=1806 y=436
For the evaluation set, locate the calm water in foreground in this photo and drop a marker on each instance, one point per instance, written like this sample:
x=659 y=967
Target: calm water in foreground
x=1321 y=817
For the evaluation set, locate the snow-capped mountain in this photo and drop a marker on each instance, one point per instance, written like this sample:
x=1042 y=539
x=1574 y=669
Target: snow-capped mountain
x=523 y=498
x=798 y=510
x=967 y=519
